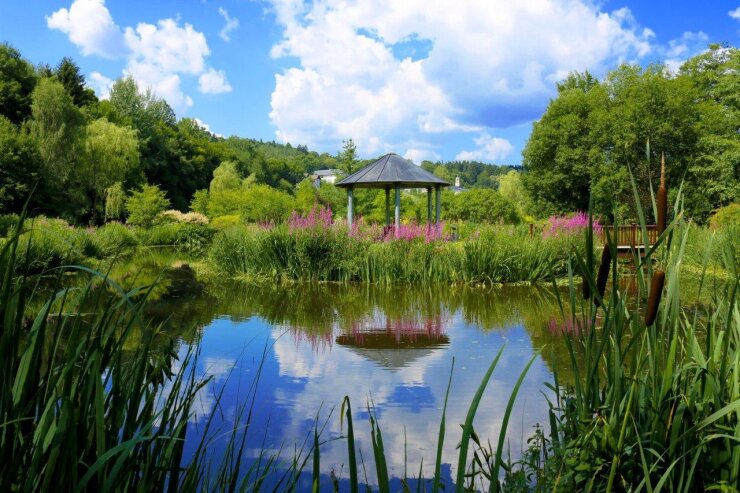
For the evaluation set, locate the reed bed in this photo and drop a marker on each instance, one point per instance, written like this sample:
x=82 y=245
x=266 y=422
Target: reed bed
x=505 y=254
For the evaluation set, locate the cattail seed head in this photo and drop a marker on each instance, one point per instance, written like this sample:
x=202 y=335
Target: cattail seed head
x=656 y=290
x=603 y=275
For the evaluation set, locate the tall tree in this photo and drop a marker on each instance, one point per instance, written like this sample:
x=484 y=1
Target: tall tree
x=111 y=153
x=348 y=156
x=57 y=125
x=17 y=80
x=19 y=166
x=68 y=73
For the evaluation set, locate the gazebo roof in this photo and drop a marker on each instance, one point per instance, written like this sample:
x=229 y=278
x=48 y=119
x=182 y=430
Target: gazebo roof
x=389 y=171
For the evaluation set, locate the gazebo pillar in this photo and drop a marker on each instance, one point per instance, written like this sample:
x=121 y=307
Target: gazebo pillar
x=387 y=206
x=350 y=207
x=438 y=193
x=429 y=205
x=398 y=207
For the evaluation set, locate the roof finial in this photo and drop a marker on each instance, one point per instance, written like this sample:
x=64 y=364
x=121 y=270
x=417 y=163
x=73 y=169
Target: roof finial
x=662 y=169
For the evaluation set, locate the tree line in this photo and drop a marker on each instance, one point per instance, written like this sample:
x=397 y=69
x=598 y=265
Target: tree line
x=595 y=131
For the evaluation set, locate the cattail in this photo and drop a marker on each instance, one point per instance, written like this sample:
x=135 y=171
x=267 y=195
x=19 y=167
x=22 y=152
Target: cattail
x=586 y=288
x=656 y=290
x=603 y=275
x=662 y=198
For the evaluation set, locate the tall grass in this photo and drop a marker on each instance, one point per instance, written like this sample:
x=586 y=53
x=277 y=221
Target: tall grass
x=653 y=406
x=495 y=255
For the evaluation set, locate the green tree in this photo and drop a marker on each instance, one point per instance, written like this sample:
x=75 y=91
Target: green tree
x=17 y=81
x=19 y=166
x=111 y=153
x=115 y=202
x=225 y=177
x=348 y=156
x=510 y=187
x=200 y=202
x=68 y=73
x=57 y=127
x=481 y=206
x=143 y=206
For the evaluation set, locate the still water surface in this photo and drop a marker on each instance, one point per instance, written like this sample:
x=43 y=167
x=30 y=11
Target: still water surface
x=298 y=350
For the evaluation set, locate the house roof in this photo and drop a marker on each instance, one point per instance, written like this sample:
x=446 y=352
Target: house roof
x=325 y=172
x=389 y=171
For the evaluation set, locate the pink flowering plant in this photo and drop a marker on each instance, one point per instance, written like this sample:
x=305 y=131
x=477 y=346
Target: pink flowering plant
x=568 y=225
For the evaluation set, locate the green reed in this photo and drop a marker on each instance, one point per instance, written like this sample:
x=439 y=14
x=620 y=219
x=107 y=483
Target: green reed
x=496 y=255
x=653 y=407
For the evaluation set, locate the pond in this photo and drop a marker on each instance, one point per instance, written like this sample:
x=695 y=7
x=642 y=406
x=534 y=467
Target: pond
x=289 y=354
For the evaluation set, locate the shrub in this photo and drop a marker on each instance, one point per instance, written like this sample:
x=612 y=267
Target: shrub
x=51 y=243
x=482 y=206
x=194 y=238
x=725 y=216
x=145 y=205
x=7 y=223
x=223 y=222
x=176 y=216
x=113 y=238
x=115 y=202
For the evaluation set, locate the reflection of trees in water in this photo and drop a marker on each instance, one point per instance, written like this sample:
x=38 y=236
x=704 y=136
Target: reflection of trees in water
x=363 y=315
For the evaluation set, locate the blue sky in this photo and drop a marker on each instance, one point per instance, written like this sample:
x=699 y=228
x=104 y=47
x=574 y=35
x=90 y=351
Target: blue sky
x=429 y=79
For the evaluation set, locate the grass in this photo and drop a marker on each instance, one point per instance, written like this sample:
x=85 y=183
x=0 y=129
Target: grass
x=495 y=255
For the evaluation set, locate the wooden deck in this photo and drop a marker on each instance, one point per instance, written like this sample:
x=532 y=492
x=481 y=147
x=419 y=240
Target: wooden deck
x=629 y=237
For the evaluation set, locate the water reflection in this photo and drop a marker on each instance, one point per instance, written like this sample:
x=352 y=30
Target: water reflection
x=313 y=344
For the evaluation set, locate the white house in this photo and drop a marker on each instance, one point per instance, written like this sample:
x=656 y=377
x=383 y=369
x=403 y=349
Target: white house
x=324 y=176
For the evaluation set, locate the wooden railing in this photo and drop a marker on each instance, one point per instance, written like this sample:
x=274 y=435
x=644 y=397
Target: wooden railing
x=630 y=235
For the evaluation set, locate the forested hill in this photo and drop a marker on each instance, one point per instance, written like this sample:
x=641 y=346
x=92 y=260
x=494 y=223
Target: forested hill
x=59 y=139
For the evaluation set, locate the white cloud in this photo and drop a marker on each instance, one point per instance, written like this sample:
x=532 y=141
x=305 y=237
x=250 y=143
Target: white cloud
x=489 y=149
x=735 y=14
x=157 y=55
x=213 y=82
x=680 y=49
x=231 y=24
x=482 y=64
x=100 y=84
x=419 y=155
x=89 y=25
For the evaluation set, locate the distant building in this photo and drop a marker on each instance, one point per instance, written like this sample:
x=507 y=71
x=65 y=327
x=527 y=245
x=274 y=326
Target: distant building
x=324 y=176
x=457 y=188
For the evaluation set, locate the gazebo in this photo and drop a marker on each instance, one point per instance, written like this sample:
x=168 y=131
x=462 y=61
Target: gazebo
x=393 y=171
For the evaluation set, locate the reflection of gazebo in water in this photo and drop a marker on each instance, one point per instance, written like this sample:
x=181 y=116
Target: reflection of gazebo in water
x=393 y=171
x=397 y=343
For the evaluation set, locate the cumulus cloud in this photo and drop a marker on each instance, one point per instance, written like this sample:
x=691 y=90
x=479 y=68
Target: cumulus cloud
x=489 y=149
x=100 y=84
x=231 y=24
x=157 y=55
x=735 y=14
x=213 y=81
x=89 y=25
x=491 y=64
x=680 y=49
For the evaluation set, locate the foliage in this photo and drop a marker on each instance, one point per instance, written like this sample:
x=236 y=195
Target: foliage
x=114 y=238
x=481 y=206
x=199 y=203
x=19 y=169
x=223 y=222
x=115 y=202
x=225 y=177
x=594 y=132
x=726 y=216
x=111 y=154
x=17 y=81
x=68 y=73
x=348 y=156
x=176 y=216
x=57 y=127
x=143 y=206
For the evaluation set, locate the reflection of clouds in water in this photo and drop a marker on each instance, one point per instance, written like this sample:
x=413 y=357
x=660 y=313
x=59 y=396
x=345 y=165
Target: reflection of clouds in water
x=407 y=385
x=410 y=398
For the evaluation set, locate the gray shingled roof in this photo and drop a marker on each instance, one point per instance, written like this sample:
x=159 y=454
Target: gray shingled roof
x=392 y=170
